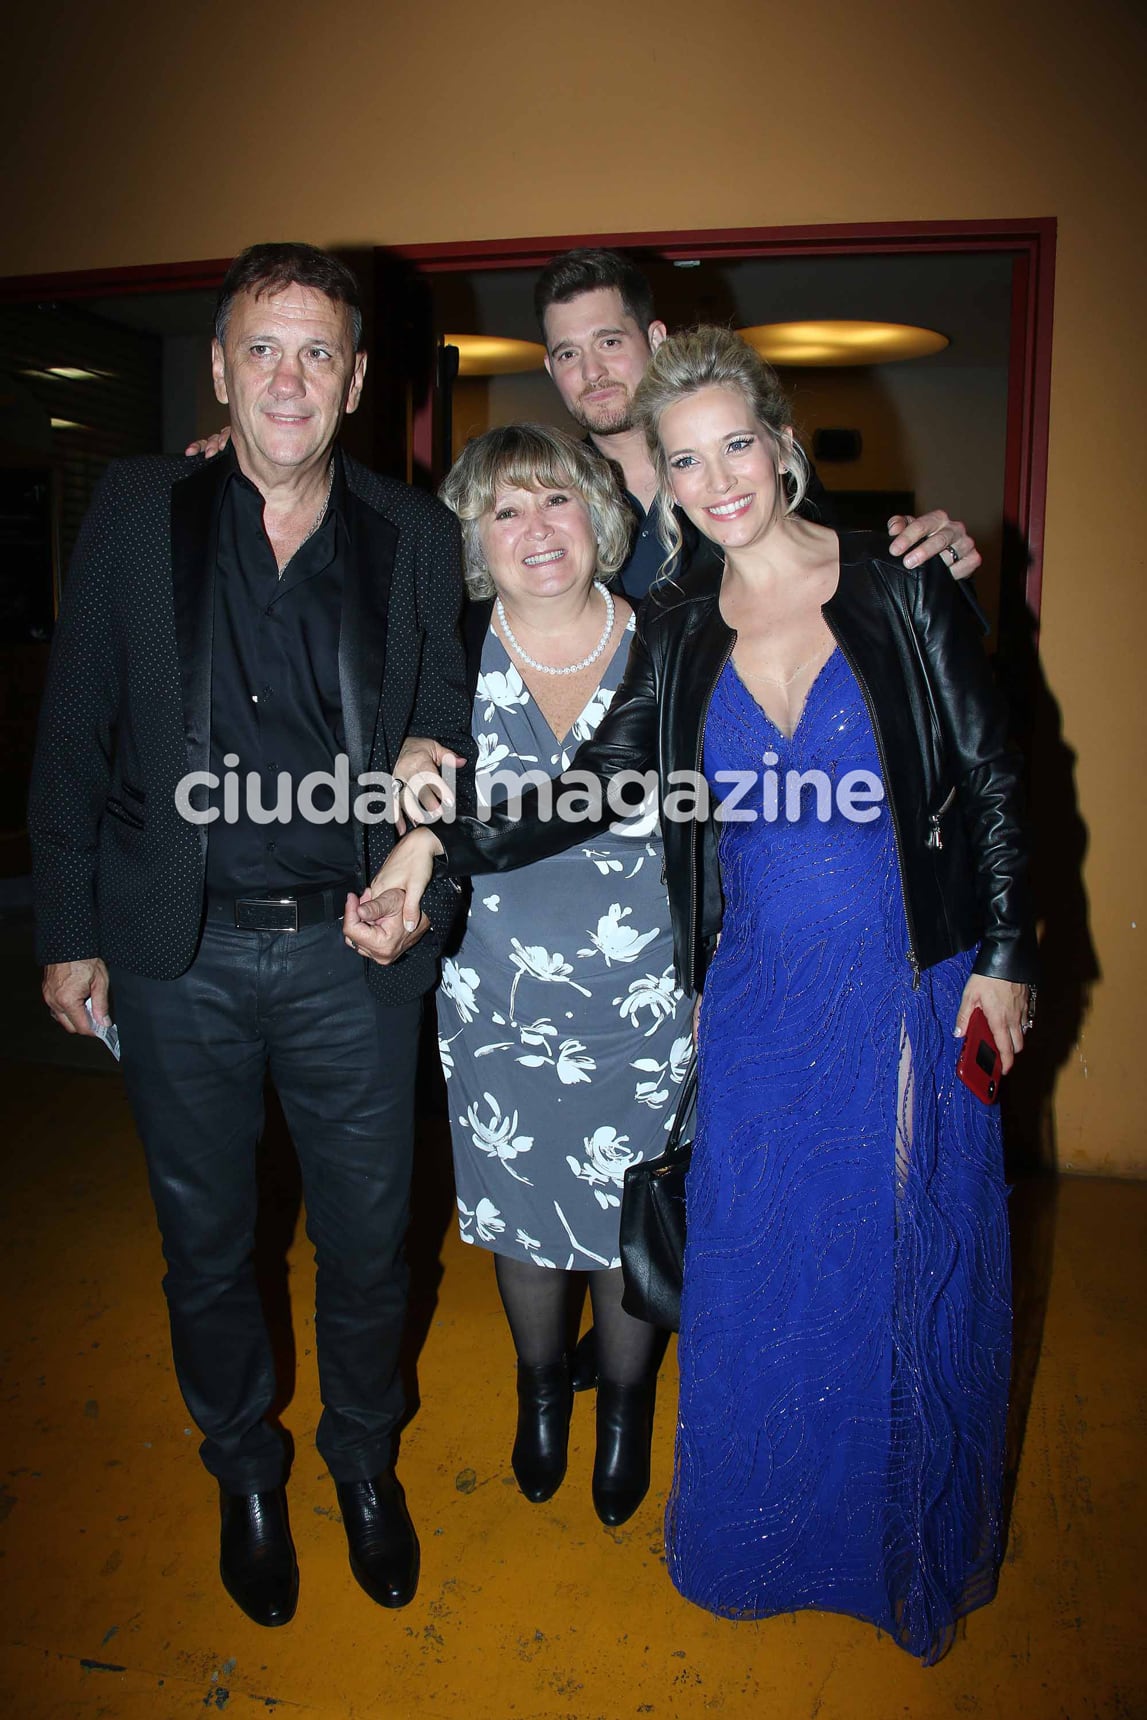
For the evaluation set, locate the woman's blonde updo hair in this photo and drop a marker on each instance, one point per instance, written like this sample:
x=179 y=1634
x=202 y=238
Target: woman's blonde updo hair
x=708 y=357
x=533 y=457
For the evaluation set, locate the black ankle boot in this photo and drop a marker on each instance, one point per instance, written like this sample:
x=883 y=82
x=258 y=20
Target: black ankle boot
x=257 y=1557
x=545 y=1401
x=624 y=1435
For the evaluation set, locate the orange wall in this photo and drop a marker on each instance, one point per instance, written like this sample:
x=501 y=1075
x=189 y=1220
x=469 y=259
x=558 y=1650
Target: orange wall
x=139 y=134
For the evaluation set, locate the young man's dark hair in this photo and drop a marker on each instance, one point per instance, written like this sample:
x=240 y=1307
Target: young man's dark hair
x=262 y=269
x=577 y=272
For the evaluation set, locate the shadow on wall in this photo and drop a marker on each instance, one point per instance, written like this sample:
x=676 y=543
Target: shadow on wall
x=1070 y=968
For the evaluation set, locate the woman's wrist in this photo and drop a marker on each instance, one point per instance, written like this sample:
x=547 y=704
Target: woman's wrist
x=424 y=835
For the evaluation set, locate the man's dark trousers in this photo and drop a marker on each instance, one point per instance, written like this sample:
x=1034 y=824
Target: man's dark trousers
x=195 y=1053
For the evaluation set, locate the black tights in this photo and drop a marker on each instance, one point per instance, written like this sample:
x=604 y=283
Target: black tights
x=539 y=1306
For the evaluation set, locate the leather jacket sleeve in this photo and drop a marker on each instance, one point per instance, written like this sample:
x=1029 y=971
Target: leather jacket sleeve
x=972 y=722
x=626 y=740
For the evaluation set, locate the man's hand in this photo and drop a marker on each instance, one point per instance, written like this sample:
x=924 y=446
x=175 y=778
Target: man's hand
x=387 y=918
x=68 y=986
x=425 y=793
x=211 y=445
x=918 y=536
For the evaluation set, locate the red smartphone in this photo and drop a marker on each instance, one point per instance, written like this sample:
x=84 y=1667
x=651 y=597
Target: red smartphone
x=979 y=1064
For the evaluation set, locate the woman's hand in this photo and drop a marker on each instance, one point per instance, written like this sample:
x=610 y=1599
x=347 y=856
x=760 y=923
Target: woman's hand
x=387 y=918
x=211 y=445
x=1005 y=1007
x=424 y=793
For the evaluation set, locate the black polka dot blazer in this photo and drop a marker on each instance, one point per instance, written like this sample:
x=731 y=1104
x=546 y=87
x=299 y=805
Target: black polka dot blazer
x=126 y=713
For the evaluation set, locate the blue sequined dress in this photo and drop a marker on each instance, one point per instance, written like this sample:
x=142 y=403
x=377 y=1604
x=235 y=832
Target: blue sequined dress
x=845 y=1325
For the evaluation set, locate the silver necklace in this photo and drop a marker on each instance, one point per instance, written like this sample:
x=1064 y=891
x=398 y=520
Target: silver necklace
x=565 y=668
x=776 y=680
x=315 y=523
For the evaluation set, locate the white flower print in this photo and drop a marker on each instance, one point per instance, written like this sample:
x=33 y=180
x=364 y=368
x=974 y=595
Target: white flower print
x=572 y=1062
x=606 y=1163
x=617 y=942
x=488 y=1221
x=491 y=902
x=579 y=1246
x=460 y=985
x=446 y=1056
x=651 y=1093
x=491 y=753
x=656 y=993
x=603 y=860
x=540 y=964
x=501 y=690
x=498 y=1137
x=679 y=1054
x=538 y=1032
x=531 y=1246
x=594 y=711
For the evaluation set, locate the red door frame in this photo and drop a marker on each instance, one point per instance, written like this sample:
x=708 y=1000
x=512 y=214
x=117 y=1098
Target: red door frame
x=1029 y=390
x=1029 y=381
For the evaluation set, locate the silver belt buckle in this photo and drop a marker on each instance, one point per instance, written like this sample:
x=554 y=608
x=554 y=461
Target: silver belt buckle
x=267 y=914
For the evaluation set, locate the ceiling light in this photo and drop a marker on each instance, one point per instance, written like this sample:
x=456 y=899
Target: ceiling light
x=69 y=373
x=491 y=355
x=842 y=342
x=68 y=424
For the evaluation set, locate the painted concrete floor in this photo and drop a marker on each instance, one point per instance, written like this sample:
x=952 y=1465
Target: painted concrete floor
x=111 y=1602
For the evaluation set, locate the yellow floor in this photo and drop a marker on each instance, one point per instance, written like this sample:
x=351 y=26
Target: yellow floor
x=112 y=1605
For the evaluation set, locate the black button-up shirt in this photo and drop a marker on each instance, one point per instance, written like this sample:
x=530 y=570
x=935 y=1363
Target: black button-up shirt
x=275 y=699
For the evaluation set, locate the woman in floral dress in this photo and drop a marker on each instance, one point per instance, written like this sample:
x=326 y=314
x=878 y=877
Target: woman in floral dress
x=563 y=1035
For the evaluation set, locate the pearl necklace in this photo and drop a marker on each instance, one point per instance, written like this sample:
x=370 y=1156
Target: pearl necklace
x=565 y=668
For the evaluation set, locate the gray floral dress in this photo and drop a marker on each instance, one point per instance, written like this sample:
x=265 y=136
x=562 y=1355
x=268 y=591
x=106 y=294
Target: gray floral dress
x=563 y=1035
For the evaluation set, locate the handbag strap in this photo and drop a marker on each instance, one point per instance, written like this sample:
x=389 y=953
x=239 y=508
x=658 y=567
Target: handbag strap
x=686 y=1102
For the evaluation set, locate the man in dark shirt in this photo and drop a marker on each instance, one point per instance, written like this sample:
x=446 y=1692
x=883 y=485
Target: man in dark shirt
x=238 y=638
x=596 y=313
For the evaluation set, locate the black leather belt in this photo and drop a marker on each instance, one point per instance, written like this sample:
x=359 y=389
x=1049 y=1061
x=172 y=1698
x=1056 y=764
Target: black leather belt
x=282 y=911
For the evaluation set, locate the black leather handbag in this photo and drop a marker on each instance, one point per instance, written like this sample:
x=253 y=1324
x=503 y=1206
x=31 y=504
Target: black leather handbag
x=653 y=1221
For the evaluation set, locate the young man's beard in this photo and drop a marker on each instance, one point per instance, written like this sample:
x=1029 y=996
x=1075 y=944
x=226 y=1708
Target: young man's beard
x=609 y=420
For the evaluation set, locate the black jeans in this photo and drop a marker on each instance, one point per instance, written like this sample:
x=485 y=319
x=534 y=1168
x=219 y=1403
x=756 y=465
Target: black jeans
x=195 y=1051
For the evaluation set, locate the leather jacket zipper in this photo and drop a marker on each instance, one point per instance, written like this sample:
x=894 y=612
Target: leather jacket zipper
x=913 y=959
x=935 y=838
x=696 y=834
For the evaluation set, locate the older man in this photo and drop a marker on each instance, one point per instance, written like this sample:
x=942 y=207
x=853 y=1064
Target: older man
x=275 y=621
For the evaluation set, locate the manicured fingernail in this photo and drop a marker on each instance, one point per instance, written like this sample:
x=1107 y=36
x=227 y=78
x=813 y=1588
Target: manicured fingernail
x=410 y=924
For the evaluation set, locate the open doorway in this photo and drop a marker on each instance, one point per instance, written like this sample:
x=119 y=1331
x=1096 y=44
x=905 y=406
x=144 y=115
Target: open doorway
x=885 y=437
x=965 y=428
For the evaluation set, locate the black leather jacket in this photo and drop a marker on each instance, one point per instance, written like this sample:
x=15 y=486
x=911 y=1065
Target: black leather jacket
x=951 y=778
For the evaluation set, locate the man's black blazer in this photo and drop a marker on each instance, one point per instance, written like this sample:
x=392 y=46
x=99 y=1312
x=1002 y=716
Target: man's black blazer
x=117 y=871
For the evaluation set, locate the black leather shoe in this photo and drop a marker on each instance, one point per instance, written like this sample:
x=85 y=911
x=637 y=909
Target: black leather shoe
x=545 y=1402
x=257 y=1556
x=383 y=1546
x=624 y=1435
x=583 y=1362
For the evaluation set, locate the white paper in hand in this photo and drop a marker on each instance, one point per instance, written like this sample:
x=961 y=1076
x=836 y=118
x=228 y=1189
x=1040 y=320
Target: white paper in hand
x=109 y=1034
